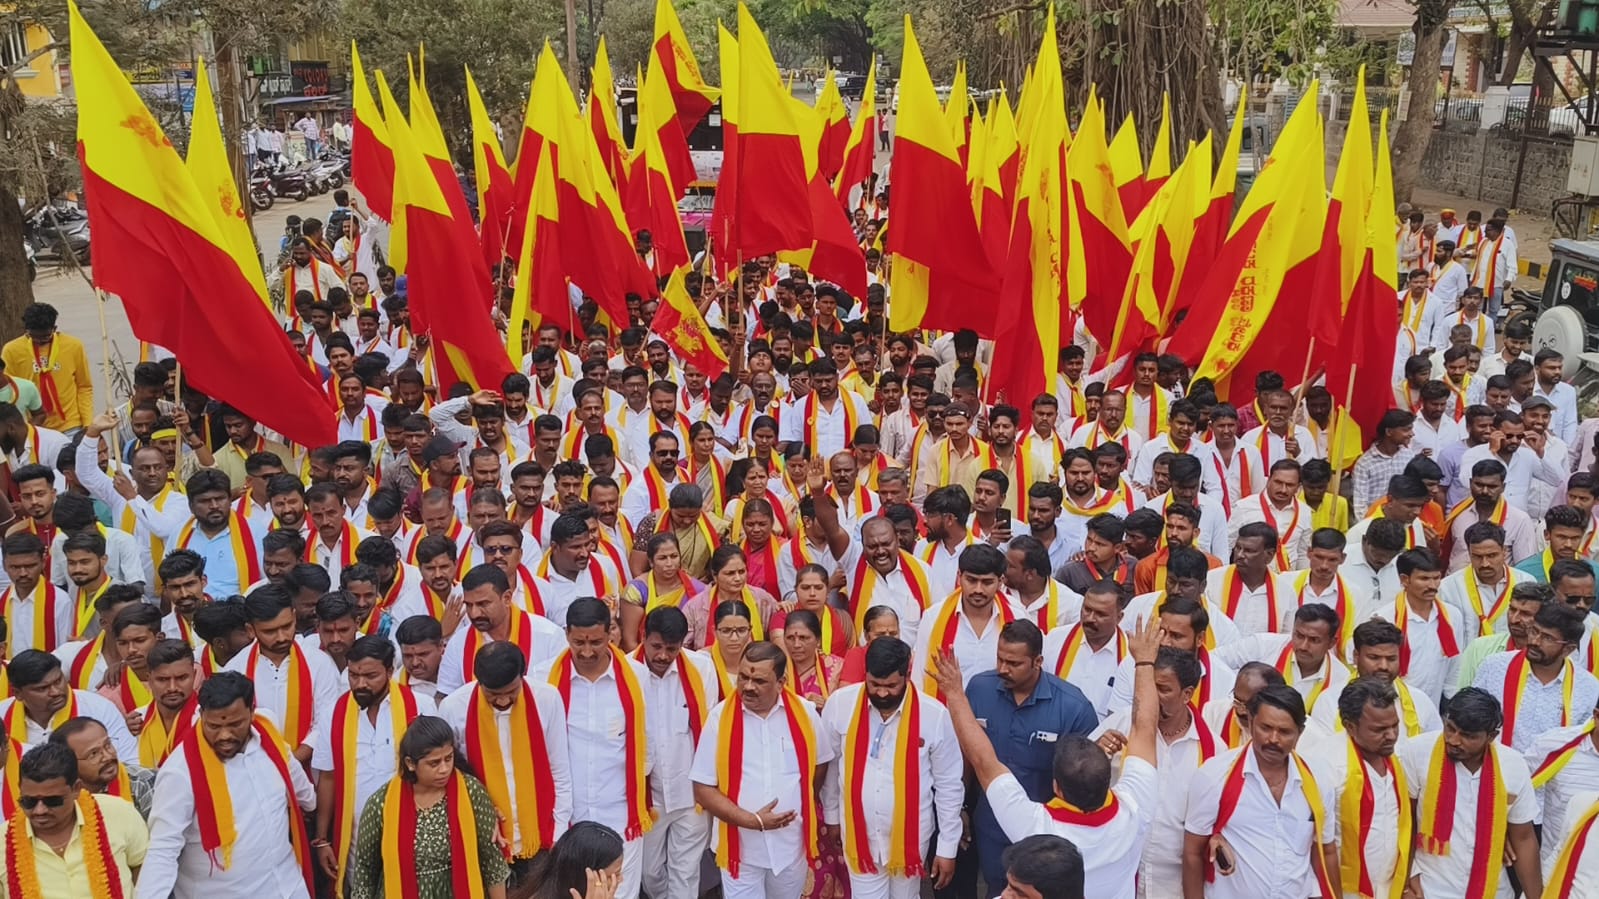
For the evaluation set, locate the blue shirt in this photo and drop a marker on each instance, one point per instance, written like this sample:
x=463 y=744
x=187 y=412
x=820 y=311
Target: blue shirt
x=1024 y=738
x=1533 y=568
x=221 y=568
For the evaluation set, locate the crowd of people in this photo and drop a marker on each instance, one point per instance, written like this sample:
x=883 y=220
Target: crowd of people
x=835 y=622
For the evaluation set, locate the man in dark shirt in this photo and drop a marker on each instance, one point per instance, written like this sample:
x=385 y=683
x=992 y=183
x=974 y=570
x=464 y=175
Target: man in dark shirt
x=1026 y=711
x=1102 y=557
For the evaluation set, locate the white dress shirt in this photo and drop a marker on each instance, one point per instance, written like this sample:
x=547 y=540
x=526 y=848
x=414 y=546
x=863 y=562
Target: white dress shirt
x=1220 y=675
x=1579 y=774
x=272 y=685
x=1431 y=439
x=938 y=756
x=376 y=747
x=831 y=433
x=1160 y=874
x=636 y=498
x=1292 y=525
x=1252 y=613
x=1274 y=449
x=549 y=641
x=1272 y=843
x=1093 y=671
x=19 y=610
x=1144 y=465
x=1557 y=832
x=596 y=744
x=1430 y=673
x=1212 y=537
x=672 y=742
x=975 y=652
x=1382 y=831
x=770 y=772
x=1447 y=875
x=552 y=722
x=1325 y=683
x=1111 y=851
x=892 y=590
x=1523 y=467
x=263 y=862
x=1427 y=720
x=1564 y=397
x=90 y=705
x=1143 y=606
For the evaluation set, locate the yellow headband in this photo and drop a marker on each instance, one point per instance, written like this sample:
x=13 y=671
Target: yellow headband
x=164 y=434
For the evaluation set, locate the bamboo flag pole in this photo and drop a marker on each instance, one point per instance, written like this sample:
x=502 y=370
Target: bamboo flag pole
x=105 y=364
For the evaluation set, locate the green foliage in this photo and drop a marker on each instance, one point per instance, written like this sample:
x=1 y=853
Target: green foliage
x=1274 y=38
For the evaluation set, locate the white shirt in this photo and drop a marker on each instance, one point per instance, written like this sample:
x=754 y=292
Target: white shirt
x=1524 y=465
x=938 y=756
x=1370 y=586
x=1093 y=671
x=892 y=590
x=943 y=565
x=1252 y=613
x=1272 y=844
x=1144 y=465
x=1111 y=851
x=123 y=561
x=1325 y=683
x=1542 y=706
x=1274 y=449
x=596 y=744
x=21 y=610
x=1228 y=474
x=636 y=498
x=975 y=652
x=1141 y=411
x=1161 y=873
x=549 y=641
x=1326 y=714
x=1143 y=605
x=1565 y=419
x=552 y=721
x=1431 y=439
x=1220 y=675
x=830 y=427
x=671 y=740
x=332 y=557
x=1092 y=434
x=263 y=858
x=90 y=705
x=1431 y=673
x=788 y=566
x=1558 y=831
x=376 y=745
x=770 y=772
x=1447 y=875
x=1580 y=773
x=272 y=685
x=1382 y=831
x=1212 y=537
x=1453 y=591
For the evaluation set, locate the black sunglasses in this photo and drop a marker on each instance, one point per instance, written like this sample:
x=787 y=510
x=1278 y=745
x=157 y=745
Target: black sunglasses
x=28 y=802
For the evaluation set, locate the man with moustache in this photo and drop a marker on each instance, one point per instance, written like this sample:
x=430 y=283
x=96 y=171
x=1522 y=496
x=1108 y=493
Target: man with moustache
x=486 y=600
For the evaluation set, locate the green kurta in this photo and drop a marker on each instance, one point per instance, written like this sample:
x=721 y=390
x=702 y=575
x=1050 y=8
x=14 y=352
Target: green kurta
x=433 y=862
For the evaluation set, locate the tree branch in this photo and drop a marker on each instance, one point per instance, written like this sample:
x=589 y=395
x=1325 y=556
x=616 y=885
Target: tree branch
x=1007 y=10
x=9 y=72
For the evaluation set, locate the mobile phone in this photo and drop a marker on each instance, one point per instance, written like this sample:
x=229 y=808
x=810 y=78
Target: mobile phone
x=1002 y=518
x=1224 y=860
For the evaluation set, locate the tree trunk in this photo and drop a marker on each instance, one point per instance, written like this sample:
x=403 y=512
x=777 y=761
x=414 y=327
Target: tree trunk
x=15 y=290
x=571 y=44
x=230 y=96
x=1154 y=29
x=1526 y=16
x=1415 y=132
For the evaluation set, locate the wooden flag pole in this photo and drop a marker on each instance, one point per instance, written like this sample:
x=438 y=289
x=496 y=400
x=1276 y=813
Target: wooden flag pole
x=105 y=364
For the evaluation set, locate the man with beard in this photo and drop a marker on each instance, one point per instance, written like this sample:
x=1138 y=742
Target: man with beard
x=357 y=747
x=224 y=627
x=1444 y=771
x=166 y=719
x=183 y=590
x=1373 y=844
x=879 y=776
x=487 y=606
x=1537 y=686
x=336 y=626
x=40 y=694
x=1510 y=631
x=1434 y=633
x=826 y=419
x=267 y=792
x=277 y=664
x=333 y=536
x=99 y=769
x=677 y=691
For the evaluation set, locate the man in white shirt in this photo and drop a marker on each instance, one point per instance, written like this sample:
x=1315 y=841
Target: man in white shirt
x=1280 y=507
x=1246 y=591
x=39 y=684
x=1108 y=823
x=1434 y=631
x=764 y=822
x=976 y=613
x=1568 y=837
x=487 y=606
x=1089 y=654
x=825 y=419
x=1549 y=367
x=1376 y=651
x=1434 y=429
x=1565 y=761
x=1369 y=569
x=368 y=710
x=867 y=788
x=876 y=570
x=1278 y=437
x=1376 y=853
x=1522 y=463
x=1178 y=438
x=1495 y=267
x=1305 y=655
x=266 y=794
x=276 y=662
x=1259 y=844
x=648 y=493
x=1455 y=760
x=605 y=732
x=502 y=694
x=1450 y=279
x=678 y=693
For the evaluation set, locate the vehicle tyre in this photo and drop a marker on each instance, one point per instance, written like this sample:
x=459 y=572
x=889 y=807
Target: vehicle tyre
x=261 y=200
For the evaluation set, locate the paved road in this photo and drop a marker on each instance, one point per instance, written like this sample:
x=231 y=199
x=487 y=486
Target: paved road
x=69 y=291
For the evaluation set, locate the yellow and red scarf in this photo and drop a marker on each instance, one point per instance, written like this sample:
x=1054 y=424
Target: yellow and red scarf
x=299 y=713
x=1232 y=591
x=1555 y=761
x=99 y=862
x=1340 y=605
x=1516 y=676
x=944 y=630
x=345 y=728
x=1232 y=790
x=1446 y=631
x=400 y=830
x=348 y=538
x=1355 y=812
x=730 y=777
x=520 y=633
x=1489 y=616
x=864 y=580
x=45 y=596
x=1563 y=877
x=813 y=432
x=156 y=742
x=905 y=839
x=1285 y=537
x=80 y=671
x=1075 y=641
x=1435 y=822
x=639 y=816
x=1246 y=480
x=530 y=762
x=694 y=698
x=15 y=720
x=1288 y=666
x=751 y=608
x=244 y=548
x=213 y=804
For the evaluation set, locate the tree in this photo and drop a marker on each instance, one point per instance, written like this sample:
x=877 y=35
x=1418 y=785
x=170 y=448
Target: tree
x=1421 y=87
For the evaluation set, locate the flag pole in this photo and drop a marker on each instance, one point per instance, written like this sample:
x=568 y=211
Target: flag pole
x=1334 y=438
x=105 y=364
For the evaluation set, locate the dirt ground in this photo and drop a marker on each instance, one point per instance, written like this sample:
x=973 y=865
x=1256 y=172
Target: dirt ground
x=1533 y=231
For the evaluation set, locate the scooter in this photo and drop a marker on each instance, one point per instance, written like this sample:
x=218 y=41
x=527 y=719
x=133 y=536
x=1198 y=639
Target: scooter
x=57 y=231
x=291 y=183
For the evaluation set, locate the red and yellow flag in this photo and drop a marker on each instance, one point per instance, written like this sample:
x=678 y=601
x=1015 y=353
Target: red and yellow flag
x=166 y=252
x=939 y=263
x=1210 y=231
x=691 y=96
x=836 y=129
x=681 y=325
x=540 y=275
x=1099 y=253
x=720 y=230
x=652 y=184
x=495 y=191
x=769 y=167
x=371 y=157
x=1344 y=234
x=1127 y=166
x=600 y=111
x=447 y=278
x=859 y=159
x=547 y=100
x=656 y=113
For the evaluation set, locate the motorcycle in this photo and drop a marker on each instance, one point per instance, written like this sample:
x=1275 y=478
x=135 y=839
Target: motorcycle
x=329 y=170
x=58 y=231
x=289 y=182
x=261 y=195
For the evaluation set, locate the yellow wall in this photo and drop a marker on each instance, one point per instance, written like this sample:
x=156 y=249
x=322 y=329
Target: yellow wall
x=40 y=80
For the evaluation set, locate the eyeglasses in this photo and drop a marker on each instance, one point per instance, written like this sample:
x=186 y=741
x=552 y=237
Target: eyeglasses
x=28 y=803
x=732 y=632
x=498 y=550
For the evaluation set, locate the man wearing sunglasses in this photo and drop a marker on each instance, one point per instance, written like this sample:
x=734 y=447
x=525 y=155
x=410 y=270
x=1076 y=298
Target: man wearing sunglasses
x=62 y=820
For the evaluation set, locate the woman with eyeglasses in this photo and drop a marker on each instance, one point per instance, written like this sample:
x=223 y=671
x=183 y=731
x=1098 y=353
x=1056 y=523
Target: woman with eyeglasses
x=733 y=636
x=729 y=582
x=663 y=583
x=416 y=835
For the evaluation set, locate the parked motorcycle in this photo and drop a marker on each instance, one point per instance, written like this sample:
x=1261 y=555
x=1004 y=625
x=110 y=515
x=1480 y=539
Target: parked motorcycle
x=289 y=182
x=261 y=195
x=56 y=231
x=329 y=170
